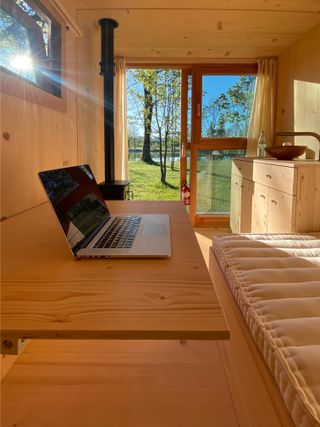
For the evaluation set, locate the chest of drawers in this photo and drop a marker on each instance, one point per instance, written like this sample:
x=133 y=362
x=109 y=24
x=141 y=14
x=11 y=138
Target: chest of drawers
x=272 y=196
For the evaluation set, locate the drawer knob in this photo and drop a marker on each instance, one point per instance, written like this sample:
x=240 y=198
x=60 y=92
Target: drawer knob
x=268 y=176
x=262 y=196
x=274 y=202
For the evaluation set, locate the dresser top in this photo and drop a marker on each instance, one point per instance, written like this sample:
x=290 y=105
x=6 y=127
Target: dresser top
x=287 y=163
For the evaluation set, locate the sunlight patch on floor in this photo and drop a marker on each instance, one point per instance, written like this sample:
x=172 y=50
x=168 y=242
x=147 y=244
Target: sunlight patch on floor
x=204 y=237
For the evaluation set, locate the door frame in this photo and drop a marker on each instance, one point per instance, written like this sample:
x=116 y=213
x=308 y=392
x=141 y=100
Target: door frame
x=184 y=143
x=198 y=143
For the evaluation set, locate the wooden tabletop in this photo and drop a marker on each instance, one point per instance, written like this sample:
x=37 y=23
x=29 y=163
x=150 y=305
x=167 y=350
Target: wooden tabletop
x=47 y=293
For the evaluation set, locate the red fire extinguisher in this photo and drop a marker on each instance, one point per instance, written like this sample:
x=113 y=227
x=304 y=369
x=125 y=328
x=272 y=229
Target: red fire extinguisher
x=185 y=193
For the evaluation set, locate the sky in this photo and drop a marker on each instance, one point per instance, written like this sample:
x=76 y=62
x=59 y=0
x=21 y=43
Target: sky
x=213 y=86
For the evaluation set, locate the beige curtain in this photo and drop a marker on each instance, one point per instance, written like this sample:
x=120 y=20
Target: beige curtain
x=263 y=108
x=120 y=121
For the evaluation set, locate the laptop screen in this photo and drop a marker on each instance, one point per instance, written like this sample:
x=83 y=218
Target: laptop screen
x=77 y=201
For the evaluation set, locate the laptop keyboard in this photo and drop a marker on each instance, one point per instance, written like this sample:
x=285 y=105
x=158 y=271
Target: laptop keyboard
x=120 y=234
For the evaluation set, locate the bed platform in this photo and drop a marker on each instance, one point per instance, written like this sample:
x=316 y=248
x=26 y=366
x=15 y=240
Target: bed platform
x=275 y=280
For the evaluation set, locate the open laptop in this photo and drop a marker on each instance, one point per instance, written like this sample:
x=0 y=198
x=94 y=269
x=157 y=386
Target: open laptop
x=88 y=226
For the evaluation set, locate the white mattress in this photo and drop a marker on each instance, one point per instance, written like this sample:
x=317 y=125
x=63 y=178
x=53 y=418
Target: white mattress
x=275 y=279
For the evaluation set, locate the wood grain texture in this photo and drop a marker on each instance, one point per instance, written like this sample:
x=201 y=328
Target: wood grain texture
x=6 y=363
x=117 y=384
x=41 y=138
x=281 y=212
x=246 y=191
x=298 y=91
x=46 y=293
x=257 y=399
x=283 y=196
x=198 y=34
x=307 y=209
x=276 y=5
x=90 y=101
x=259 y=208
x=139 y=383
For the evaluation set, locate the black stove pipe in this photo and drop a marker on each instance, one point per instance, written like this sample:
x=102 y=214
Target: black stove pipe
x=107 y=71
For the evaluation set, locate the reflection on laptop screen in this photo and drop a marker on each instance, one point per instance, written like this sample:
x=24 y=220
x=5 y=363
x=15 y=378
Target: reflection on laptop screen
x=77 y=201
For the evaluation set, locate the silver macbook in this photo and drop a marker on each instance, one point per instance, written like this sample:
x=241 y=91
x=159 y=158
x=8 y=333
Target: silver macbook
x=90 y=229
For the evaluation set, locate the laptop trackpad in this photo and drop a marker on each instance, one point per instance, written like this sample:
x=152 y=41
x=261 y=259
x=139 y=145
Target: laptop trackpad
x=154 y=229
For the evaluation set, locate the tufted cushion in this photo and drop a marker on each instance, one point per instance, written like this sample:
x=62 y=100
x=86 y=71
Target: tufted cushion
x=275 y=280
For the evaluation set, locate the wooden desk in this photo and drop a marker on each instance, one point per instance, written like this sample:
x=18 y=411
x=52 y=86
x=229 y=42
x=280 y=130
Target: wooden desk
x=46 y=293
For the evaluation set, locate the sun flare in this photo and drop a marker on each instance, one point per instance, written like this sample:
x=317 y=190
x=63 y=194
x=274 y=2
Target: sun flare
x=22 y=62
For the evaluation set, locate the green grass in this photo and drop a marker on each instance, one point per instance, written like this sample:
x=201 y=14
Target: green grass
x=213 y=184
x=146 y=185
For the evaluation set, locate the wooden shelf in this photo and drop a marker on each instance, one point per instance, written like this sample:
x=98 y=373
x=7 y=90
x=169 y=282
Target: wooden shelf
x=47 y=294
x=118 y=384
x=145 y=383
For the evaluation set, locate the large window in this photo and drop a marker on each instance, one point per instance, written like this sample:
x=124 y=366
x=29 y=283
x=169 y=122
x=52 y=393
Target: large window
x=30 y=44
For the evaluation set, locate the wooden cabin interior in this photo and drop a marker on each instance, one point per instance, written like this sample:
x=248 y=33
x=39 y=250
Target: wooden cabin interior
x=170 y=378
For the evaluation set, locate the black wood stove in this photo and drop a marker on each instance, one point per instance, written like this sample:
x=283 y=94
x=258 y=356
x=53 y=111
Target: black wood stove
x=110 y=189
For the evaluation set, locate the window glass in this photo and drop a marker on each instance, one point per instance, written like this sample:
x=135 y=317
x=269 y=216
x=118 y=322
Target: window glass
x=214 y=180
x=30 y=45
x=153 y=121
x=226 y=105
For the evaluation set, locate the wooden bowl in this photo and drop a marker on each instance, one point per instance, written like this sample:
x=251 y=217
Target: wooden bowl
x=286 y=152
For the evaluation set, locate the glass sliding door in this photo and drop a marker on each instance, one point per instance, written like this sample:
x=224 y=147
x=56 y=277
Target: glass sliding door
x=214 y=181
x=222 y=101
x=153 y=123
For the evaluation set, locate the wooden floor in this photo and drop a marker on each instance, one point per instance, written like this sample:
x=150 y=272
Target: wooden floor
x=133 y=383
x=205 y=236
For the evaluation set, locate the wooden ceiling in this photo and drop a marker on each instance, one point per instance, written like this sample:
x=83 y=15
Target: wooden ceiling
x=202 y=30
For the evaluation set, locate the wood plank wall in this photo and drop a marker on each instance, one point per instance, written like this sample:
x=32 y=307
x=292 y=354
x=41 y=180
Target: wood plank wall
x=298 y=91
x=38 y=137
x=90 y=97
x=42 y=138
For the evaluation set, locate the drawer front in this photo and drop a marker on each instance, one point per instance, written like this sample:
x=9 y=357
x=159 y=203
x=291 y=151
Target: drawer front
x=278 y=177
x=259 y=209
x=246 y=191
x=235 y=203
x=281 y=207
x=242 y=168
